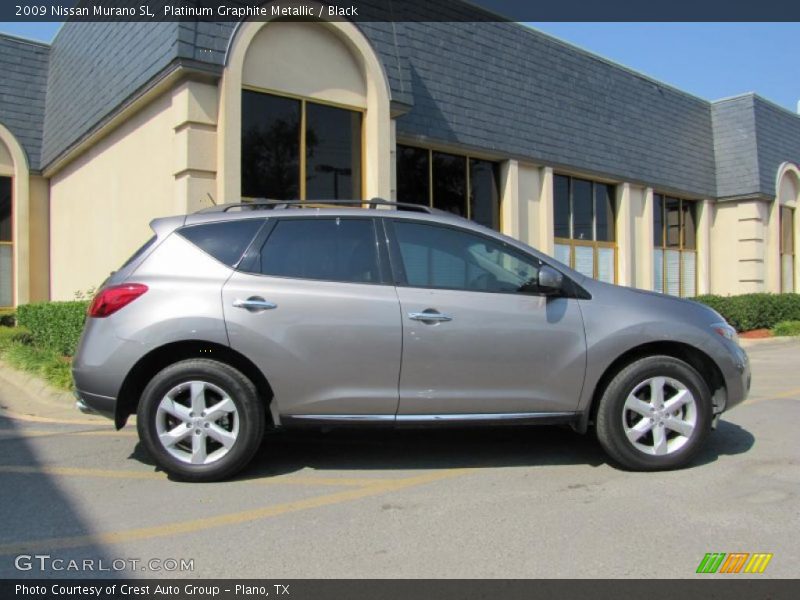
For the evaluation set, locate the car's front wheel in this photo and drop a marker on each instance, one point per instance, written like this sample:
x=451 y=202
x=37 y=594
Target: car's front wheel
x=655 y=414
x=201 y=420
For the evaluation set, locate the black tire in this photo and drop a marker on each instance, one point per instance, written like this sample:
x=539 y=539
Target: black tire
x=249 y=415
x=610 y=424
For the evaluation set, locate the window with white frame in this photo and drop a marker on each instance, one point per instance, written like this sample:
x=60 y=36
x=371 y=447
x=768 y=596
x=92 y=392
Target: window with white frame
x=675 y=241
x=584 y=230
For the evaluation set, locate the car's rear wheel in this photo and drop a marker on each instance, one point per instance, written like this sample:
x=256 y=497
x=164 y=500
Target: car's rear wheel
x=201 y=420
x=654 y=415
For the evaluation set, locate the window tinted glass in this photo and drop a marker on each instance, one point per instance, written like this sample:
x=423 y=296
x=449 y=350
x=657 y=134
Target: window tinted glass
x=689 y=225
x=450 y=183
x=413 y=178
x=561 y=206
x=226 y=241
x=5 y=209
x=484 y=193
x=604 y=211
x=441 y=257
x=270 y=146
x=673 y=222
x=333 y=153
x=326 y=249
x=140 y=251
x=582 y=209
x=658 y=220
x=787 y=225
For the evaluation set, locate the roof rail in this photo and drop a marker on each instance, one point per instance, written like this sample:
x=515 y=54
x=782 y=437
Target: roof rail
x=268 y=204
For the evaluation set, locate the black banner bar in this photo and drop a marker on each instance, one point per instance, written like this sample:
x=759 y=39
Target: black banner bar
x=400 y=10
x=713 y=588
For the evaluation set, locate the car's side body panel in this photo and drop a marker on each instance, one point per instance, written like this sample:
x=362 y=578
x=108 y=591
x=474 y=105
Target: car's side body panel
x=500 y=353
x=326 y=347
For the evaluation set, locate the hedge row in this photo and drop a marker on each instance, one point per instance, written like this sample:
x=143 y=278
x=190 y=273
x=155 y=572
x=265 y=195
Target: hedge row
x=54 y=326
x=755 y=311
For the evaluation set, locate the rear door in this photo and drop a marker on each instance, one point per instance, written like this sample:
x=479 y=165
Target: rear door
x=314 y=308
x=477 y=336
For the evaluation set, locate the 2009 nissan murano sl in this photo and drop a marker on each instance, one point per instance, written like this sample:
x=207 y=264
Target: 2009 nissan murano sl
x=237 y=319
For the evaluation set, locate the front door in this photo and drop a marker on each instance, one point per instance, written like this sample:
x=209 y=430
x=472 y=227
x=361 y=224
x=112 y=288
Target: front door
x=477 y=337
x=315 y=310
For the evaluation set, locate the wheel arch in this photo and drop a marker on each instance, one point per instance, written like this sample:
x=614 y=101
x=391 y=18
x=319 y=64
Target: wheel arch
x=697 y=359
x=159 y=358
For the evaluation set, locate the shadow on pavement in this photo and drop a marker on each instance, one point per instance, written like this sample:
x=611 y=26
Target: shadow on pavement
x=287 y=452
x=35 y=507
x=728 y=440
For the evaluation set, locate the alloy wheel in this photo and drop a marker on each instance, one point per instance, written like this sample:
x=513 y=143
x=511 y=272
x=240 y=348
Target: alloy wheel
x=197 y=422
x=659 y=416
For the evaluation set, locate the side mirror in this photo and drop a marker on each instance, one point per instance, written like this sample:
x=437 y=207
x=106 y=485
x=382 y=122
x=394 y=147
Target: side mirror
x=550 y=281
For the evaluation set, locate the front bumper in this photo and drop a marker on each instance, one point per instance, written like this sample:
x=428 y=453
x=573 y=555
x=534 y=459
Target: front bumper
x=737 y=379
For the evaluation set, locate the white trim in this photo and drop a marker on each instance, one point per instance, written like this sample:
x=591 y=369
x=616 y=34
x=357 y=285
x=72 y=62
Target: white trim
x=377 y=121
x=20 y=216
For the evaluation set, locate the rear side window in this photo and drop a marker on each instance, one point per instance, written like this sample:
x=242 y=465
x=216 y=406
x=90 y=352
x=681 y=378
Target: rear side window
x=325 y=249
x=226 y=241
x=145 y=247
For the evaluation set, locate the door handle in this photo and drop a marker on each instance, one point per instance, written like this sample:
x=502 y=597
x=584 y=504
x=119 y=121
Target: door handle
x=254 y=304
x=429 y=316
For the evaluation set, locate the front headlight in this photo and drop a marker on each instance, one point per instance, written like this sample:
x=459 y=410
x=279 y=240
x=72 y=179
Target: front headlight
x=726 y=331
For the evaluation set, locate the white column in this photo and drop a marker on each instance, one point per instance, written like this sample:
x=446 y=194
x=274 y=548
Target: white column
x=625 y=235
x=772 y=257
x=645 y=275
x=545 y=228
x=509 y=198
x=704 y=215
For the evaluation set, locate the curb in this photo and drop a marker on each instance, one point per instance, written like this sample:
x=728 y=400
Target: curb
x=32 y=385
x=26 y=397
x=778 y=341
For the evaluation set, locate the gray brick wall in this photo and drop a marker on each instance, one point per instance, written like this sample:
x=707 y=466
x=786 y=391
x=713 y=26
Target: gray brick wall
x=777 y=139
x=94 y=68
x=23 y=82
x=505 y=88
x=734 y=126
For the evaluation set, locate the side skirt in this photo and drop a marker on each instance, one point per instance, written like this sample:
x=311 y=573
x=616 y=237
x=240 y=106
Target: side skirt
x=420 y=421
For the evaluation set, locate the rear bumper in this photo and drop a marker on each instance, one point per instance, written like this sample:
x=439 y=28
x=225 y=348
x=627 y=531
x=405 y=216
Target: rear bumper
x=94 y=404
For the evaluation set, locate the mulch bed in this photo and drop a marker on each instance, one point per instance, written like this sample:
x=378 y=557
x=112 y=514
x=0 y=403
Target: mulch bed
x=756 y=334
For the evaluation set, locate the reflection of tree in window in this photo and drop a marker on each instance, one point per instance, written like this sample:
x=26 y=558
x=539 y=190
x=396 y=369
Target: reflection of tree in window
x=333 y=152
x=270 y=146
x=413 y=178
x=450 y=183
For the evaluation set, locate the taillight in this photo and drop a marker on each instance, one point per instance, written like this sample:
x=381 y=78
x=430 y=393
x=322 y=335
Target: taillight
x=111 y=299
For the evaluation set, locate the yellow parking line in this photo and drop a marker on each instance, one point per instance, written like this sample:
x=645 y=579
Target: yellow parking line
x=301 y=480
x=81 y=472
x=36 y=419
x=793 y=393
x=236 y=518
x=8 y=433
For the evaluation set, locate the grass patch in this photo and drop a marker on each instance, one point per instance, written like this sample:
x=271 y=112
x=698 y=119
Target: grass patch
x=787 y=328
x=18 y=351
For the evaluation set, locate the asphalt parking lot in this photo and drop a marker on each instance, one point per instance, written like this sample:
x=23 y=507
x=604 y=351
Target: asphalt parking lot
x=507 y=503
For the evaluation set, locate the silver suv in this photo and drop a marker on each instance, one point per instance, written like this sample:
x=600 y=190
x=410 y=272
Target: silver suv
x=264 y=315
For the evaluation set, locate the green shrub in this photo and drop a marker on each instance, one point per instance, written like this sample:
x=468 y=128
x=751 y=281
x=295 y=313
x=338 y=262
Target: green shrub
x=787 y=328
x=53 y=326
x=755 y=311
x=7 y=318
